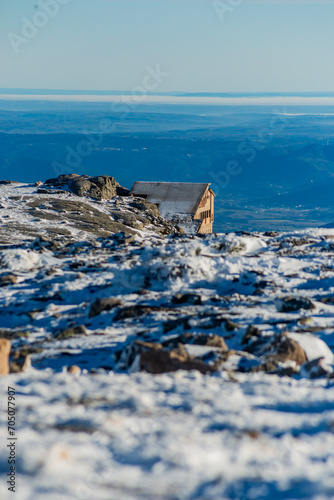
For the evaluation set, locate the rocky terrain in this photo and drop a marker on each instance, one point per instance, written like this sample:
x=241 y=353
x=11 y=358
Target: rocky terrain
x=151 y=364
x=73 y=207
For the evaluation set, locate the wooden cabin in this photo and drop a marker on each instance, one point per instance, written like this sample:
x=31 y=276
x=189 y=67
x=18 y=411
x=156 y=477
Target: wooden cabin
x=187 y=204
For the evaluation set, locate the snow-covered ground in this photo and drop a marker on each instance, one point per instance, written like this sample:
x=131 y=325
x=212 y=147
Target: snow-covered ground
x=172 y=436
x=112 y=432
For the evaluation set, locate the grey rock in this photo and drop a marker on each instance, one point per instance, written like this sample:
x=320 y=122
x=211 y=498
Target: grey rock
x=293 y=304
x=49 y=191
x=209 y=340
x=275 y=350
x=124 y=238
x=156 y=360
x=61 y=180
x=79 y=214
x=187 y=298
x=12 y=334
x=80 y=186
x=144 y=205
x=130 y=219
x=43 y=243
x=104 y=305
x=101 y=188
x=71 y=332
x=135 y=312
x=252 y=333
x=316 y=368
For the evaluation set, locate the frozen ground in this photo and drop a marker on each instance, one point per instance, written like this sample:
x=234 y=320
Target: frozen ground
x=115 y=433
x=172 y=436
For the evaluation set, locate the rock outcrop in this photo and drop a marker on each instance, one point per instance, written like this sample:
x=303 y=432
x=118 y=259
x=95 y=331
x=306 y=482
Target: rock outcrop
x=102 y=187
x=71 y=205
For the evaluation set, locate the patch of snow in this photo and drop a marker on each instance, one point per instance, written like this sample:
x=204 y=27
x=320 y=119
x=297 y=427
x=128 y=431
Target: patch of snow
x=25 y=260
x=313 y=346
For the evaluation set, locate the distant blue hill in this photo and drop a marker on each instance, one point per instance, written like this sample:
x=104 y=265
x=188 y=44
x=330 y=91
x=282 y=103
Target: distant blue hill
x=293 y=167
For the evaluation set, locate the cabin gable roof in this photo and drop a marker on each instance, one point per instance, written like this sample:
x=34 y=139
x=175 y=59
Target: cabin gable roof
x=172 y=197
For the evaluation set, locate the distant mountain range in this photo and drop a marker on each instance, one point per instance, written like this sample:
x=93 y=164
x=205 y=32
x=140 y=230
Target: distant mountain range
x=290 y=166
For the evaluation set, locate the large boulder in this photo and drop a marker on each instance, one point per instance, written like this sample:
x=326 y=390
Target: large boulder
x=102 y=187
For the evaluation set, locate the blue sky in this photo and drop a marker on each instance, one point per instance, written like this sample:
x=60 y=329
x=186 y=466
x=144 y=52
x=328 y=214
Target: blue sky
x=272 y=46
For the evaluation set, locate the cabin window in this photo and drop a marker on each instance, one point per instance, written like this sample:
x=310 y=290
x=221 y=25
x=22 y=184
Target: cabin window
x=206 y=214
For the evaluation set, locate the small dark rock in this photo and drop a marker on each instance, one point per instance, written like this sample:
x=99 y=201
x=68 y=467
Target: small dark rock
x=135 y=312
x=49 y=191
x=251 y=333
x=209 y=340
x=293 y=304
x=327 y=300
x=316 y=368
x=20 y=363
x=130 y=219
x=104 y=305
x=71 y=332
x=176 y=324
x=12 y=334
x=271 y=234
x=144 y=205
x=154 y=359
x=61 y=180
x=123 y=238
x=43 y=242
x=187 y=298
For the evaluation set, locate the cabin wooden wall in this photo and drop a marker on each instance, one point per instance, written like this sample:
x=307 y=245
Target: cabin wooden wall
x=205 y=212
